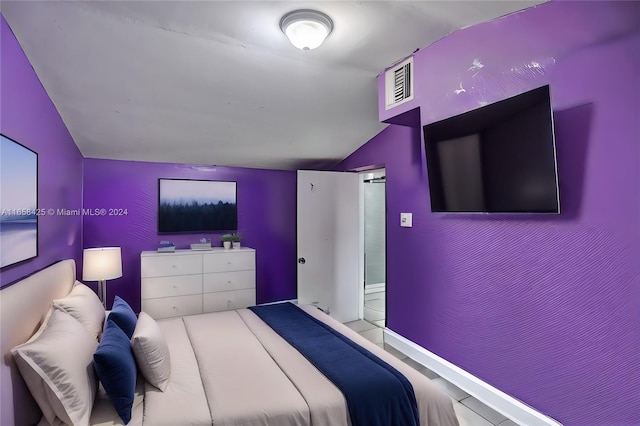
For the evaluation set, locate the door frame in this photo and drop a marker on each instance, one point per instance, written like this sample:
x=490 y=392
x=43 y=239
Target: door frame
x=362 y=172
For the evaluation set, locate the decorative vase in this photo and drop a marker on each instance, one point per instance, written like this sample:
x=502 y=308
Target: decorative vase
x=226 y=244
x=236 y=244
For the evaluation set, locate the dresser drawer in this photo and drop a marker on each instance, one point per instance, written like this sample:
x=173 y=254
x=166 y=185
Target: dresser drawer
x=224 y=281
x=228 y=300
x=171 y=286
x=170 y=264
x=232 y=261
x=166 y=307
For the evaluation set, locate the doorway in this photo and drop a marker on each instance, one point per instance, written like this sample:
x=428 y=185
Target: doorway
x=374 y=227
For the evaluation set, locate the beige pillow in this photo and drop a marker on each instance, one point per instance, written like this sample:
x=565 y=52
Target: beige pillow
x=83 y=304
x=57 y=366
x=151 y=352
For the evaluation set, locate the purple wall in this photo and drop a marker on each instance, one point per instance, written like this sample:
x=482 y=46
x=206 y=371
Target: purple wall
x=266 y=219
x=545 y=308
x=29 y=117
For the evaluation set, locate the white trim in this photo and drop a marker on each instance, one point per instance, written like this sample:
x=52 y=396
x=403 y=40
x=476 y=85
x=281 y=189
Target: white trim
x=361 y=263
x=504 y=404
x=364 y=175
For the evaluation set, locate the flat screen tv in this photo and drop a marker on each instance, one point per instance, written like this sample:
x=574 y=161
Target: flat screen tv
x=499 y=158
x=196 y=206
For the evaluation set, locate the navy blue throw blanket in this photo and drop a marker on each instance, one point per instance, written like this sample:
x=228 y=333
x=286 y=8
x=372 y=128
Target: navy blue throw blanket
x=376 y=393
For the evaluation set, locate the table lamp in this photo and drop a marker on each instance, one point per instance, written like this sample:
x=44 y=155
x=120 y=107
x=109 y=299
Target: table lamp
x=102 y=264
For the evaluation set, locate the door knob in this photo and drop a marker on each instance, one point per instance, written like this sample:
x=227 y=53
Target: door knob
x=301 y=260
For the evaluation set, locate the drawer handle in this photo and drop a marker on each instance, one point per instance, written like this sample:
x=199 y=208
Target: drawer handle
x=173 y=266
x=175 y=286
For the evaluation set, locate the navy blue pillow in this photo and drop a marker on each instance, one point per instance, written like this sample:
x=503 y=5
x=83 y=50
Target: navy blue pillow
x=123 y=316
x=115 y=366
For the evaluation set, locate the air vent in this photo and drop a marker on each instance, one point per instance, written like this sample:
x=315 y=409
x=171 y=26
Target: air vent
x=399 y=84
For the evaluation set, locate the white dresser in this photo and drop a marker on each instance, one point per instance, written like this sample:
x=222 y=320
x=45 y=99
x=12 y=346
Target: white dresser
x=191 y=282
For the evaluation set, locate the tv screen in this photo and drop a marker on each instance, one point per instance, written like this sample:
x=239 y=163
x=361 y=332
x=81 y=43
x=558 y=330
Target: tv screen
x=499 y=158
x=196 y=206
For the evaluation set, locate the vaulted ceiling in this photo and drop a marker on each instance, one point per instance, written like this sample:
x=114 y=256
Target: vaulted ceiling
x=217 y=82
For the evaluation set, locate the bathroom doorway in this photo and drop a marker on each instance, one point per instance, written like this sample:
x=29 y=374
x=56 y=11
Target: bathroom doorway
x=374 y=183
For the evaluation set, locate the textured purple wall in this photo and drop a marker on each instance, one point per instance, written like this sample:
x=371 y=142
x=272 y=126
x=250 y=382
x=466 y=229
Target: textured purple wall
x=545 y=308
x=29 y=117
x=266 y=219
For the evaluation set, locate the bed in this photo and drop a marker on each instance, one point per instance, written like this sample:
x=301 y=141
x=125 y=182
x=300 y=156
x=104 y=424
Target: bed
x=227 y=368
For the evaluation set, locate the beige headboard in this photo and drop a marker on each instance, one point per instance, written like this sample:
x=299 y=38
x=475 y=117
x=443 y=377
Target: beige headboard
x=23 y=306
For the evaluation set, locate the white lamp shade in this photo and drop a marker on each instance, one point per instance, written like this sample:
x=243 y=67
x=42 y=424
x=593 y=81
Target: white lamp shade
x=103 y=263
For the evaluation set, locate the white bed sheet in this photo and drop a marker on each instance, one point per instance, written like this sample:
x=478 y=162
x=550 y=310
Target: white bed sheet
x=183 y=402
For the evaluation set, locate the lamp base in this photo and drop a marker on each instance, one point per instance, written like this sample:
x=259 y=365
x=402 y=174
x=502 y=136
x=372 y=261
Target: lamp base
x=102 y=292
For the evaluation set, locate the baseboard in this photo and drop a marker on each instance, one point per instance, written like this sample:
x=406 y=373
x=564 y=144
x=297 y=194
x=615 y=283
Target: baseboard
x=507 y=405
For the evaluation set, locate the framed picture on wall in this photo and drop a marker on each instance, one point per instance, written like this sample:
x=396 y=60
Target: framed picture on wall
x=18 y=202
x=196 y=206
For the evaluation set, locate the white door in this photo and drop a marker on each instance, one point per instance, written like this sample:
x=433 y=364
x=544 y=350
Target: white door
x=329 y=239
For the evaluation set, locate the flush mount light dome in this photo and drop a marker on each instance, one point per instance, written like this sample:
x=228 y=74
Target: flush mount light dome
x=306 y=28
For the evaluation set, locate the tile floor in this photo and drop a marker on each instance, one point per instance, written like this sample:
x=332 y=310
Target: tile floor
x=470 y=411
x=374 y=304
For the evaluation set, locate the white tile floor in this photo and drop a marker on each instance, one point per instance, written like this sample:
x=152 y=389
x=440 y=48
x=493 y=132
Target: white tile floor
x=374 y=304
x=469 y=410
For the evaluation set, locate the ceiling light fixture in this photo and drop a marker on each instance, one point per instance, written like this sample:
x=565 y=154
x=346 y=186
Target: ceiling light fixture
x=306 y=28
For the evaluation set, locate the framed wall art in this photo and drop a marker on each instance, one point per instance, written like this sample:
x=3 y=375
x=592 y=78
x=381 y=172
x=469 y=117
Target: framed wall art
x=18 y=202
x=196 y=206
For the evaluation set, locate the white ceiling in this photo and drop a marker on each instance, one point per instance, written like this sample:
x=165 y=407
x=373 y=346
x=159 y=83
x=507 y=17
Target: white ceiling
x=217 y=82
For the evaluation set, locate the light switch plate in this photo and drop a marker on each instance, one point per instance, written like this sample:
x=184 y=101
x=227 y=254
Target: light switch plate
x=406 y=220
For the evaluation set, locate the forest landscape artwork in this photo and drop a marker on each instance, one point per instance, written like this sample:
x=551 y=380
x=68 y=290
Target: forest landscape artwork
x=18 y=202
x=191 y=206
